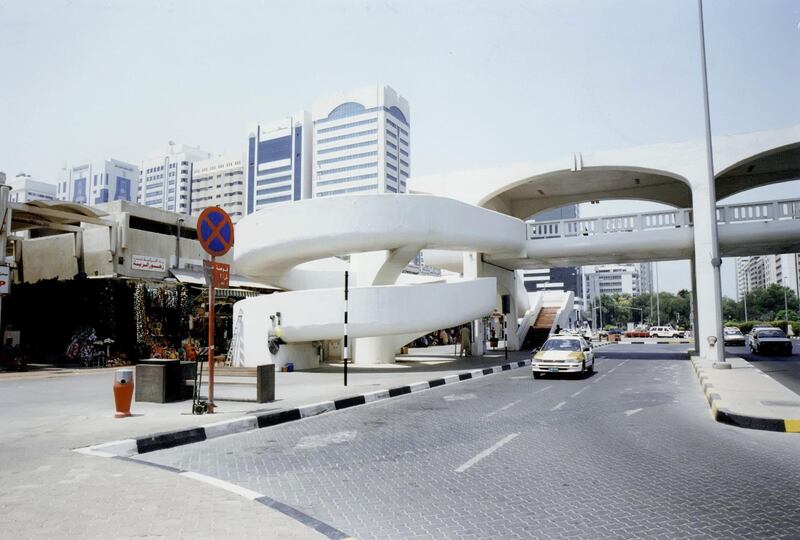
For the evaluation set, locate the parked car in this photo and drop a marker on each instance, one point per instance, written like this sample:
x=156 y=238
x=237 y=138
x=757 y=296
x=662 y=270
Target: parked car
x=563 y=354
x=665 y=332
x=733 y=336
x=771 y=340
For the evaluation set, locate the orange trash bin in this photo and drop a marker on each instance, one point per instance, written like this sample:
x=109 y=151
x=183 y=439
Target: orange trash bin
x=123 y=392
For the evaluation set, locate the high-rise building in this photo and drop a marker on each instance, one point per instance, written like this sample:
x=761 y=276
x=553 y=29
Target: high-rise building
x=99 y=182
x=761 y=271
x=624 y=278
x=278 y=166
x=361 y=142
x=219 y=182
x=166 y=178
x=24 y=189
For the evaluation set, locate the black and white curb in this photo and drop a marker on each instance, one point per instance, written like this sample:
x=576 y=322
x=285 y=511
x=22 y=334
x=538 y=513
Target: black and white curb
x=171 y=439
x=726 y=416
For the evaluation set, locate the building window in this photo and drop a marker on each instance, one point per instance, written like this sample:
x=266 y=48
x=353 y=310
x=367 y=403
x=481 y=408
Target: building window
x=345 y=126
x=348 y=136
x=346 y=147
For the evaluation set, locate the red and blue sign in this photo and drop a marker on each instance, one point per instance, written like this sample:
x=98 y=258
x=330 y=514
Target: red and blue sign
x=215 y=231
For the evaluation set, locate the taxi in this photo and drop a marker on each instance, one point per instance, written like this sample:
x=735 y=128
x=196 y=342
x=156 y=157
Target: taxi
x=563 y=353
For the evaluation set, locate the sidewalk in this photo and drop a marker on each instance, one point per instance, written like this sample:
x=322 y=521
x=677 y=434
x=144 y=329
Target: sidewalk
x=51 y=491
x=744 y=396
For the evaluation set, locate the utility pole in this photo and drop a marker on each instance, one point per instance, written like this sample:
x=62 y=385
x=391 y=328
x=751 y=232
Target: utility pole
x=658 y=300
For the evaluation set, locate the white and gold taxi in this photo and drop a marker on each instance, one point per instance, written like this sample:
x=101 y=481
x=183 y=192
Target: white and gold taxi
x=563 y=354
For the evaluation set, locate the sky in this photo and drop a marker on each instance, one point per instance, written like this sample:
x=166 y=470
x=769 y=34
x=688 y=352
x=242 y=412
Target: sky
x=489 y=83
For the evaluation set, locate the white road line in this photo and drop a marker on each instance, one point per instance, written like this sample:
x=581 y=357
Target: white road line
x=612 y=370
x=632 y=411
x=559 y=406
x=576 y=394
x=501 y=409
x=486 y=452
x=623 y=363
x=216 y=482
x=543 y=389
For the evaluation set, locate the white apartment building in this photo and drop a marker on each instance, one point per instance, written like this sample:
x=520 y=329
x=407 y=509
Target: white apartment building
x=166 y=178
x=279 y=162
x=628 y=278
x=361 y=142
x=219 y=182
x=98 y=182
x=24 y=189
x=761 y=271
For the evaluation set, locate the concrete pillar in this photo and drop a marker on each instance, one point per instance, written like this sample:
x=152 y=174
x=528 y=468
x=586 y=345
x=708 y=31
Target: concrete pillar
x=693 y=315
x=512 y=325
x=707 y=278
x=472 y=270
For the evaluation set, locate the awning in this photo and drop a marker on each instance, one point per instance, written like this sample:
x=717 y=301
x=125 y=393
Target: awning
x=236 y=282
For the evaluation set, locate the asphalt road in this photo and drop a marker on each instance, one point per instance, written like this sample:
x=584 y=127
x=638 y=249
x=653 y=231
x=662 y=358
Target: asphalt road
x=631 y=452
x=784 y=369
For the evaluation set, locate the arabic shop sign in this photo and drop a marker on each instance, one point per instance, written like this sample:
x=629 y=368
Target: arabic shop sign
x=149 y=264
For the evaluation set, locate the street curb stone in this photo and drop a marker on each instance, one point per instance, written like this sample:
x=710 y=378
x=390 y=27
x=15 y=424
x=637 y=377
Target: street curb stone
x=180 y=437
x=726 y=416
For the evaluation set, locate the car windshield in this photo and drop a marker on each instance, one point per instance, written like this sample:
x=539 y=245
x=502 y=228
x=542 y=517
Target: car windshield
x=771 y=333
x=562 y=345
x=732 y=331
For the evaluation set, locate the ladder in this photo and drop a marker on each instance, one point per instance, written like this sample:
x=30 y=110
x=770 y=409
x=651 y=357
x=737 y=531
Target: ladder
x=232 y=358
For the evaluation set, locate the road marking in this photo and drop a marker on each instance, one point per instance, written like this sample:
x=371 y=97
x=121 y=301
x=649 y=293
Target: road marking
x=579 y=391
x=227 y=486
x=501 y=409
x=459 y=397
x=559 y=406
x=598 y=378
x=612 y=370
x=632 y=411
x=623 y=363
x=319 y=441
x=486 y=452
x=543 y=389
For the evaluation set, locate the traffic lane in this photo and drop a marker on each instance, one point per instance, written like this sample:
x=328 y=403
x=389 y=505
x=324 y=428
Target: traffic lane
x=644 y=352
x=630 y=451
x=784 y=369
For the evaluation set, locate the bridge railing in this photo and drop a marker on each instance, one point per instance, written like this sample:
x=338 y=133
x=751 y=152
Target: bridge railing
x=665 y=219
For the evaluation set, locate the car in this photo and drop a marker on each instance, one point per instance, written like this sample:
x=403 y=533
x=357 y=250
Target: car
x=733 y=337
x=563 y=354
x=771 y=340
x=665 y=332
x=755 y=329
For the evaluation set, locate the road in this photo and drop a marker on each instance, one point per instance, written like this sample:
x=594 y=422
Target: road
x=784 y=369
x=629 y=452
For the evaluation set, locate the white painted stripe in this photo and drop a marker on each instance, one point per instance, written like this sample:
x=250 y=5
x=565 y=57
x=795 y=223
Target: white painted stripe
x=125 y=447
x=501 y=409
x=375 y=396
x=632 y=411
x=543 y=389
x=476 y=373
x=576 y=394
x=451 y=379
x=316 y=408
x=559 y=406
x=497 y=369
x=486 y=452
x=227 y=486
x=598 y=378
x=227 y=427
x=417 y=386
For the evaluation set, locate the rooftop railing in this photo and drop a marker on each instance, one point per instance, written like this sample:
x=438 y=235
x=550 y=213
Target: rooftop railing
x=664 y=219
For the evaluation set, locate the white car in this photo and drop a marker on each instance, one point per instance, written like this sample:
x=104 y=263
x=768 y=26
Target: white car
x=563 y=354
x=665 y=331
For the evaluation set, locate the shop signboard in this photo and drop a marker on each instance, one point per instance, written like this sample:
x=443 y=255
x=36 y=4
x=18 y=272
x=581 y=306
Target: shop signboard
x=148 y=264
x=5 y=279
x=217 y=274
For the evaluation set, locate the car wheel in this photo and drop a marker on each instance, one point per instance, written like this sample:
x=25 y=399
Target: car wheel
x=590 y=369
x=537 y=375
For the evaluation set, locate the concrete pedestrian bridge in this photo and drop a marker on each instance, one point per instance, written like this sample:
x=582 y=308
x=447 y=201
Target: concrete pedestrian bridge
x=473 y=223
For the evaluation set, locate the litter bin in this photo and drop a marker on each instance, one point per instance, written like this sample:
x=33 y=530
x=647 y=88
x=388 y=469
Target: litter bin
x=290 y=366
x=123 y=392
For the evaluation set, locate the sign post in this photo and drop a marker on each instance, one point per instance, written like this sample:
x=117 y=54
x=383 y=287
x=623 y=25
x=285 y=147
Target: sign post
x=215 y=233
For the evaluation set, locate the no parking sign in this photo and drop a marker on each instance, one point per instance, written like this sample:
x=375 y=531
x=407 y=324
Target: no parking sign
x=215 y=231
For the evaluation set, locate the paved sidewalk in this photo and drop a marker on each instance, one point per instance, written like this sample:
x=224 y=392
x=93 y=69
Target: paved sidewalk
x=50 y=491
x=744 y=396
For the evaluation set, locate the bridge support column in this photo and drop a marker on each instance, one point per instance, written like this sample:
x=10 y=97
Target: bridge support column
x=693 y=314
x=706 y=273
x=512 y=325
x=472 y=270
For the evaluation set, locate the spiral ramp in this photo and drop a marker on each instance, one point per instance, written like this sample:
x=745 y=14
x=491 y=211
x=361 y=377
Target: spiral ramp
x=298 y=247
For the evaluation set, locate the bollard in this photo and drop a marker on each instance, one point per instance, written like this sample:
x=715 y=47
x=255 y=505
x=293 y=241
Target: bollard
x=123 y=392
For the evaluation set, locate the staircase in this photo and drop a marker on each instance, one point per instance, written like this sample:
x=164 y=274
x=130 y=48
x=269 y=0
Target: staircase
x=540 y=328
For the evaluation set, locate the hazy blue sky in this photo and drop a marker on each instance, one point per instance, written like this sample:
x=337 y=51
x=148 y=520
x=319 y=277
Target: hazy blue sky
x=488 y=82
